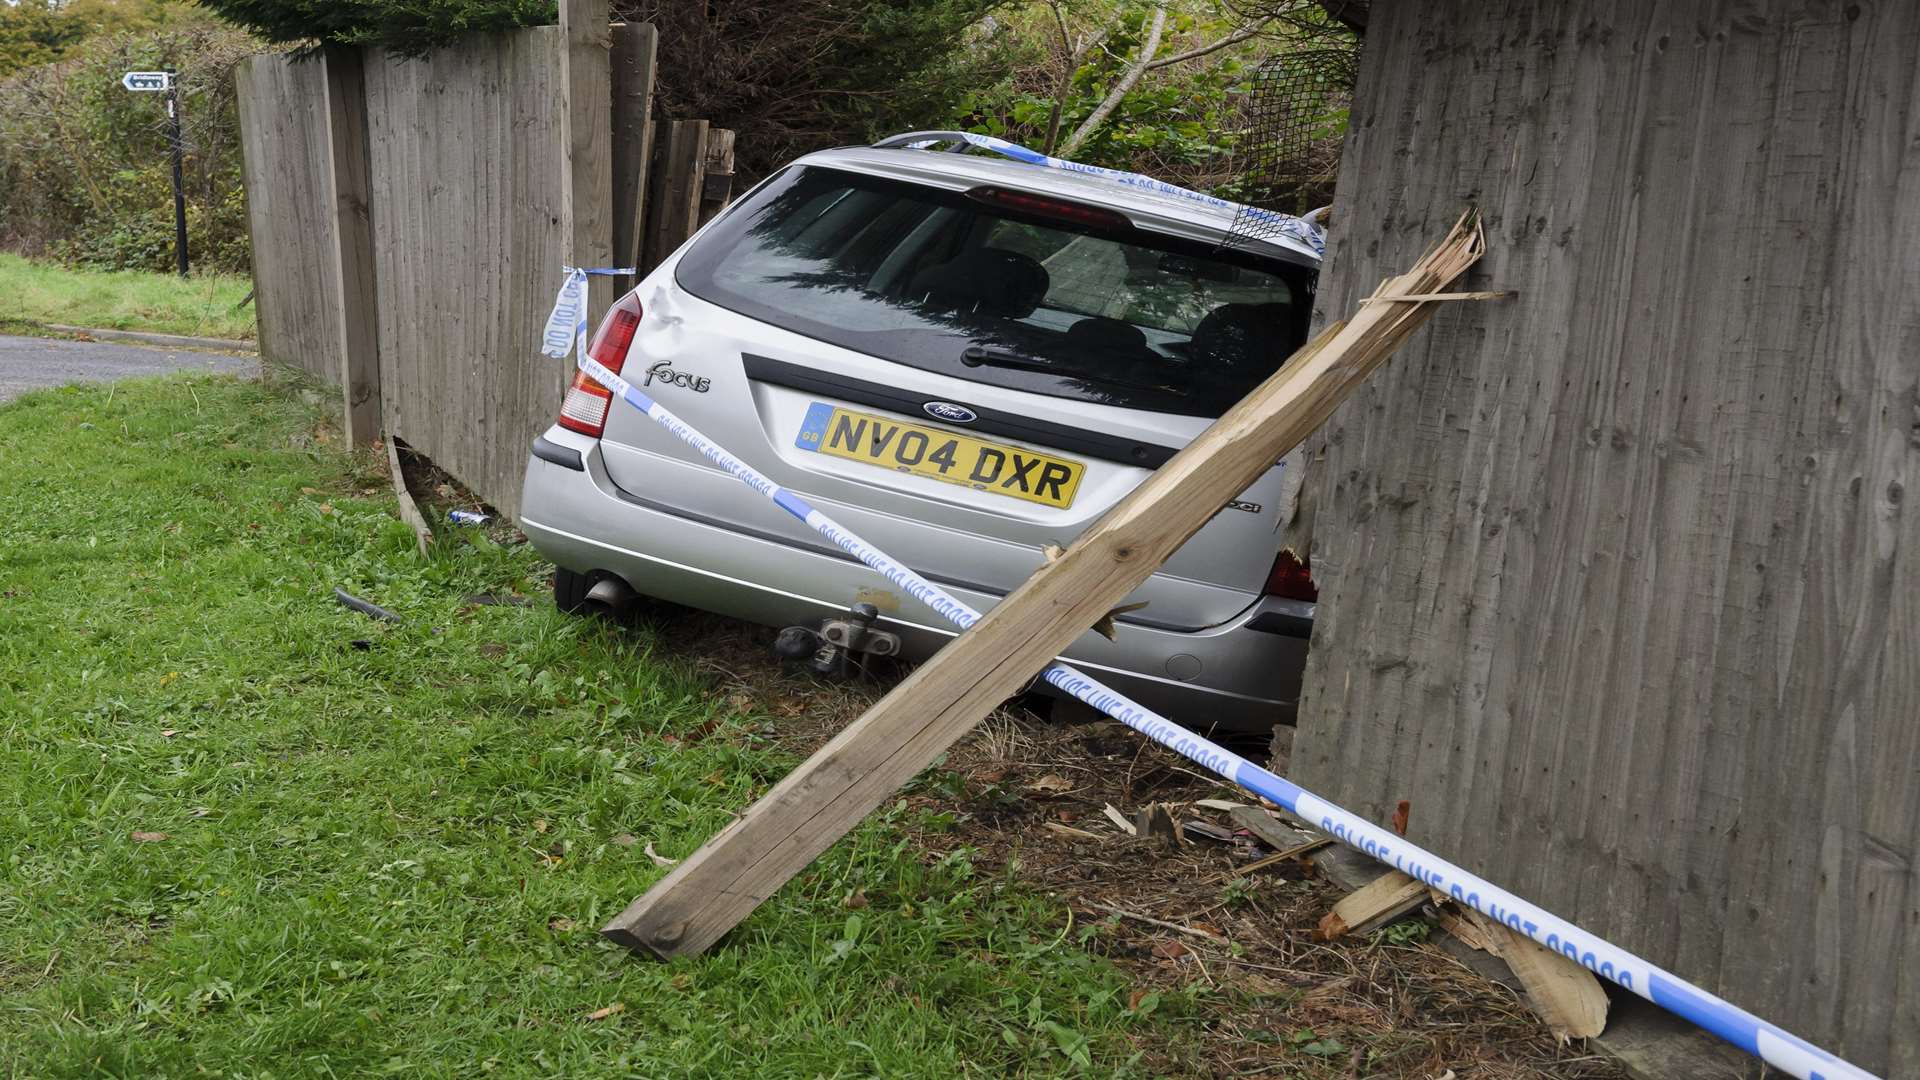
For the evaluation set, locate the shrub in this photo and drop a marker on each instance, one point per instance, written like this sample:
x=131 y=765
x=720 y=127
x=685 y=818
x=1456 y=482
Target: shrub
x=412 y=26
x=34 y=32
x=85 y=174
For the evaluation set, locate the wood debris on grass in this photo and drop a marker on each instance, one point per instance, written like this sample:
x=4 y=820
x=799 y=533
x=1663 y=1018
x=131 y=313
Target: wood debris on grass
x=1413 y=1010
x=1373 y=905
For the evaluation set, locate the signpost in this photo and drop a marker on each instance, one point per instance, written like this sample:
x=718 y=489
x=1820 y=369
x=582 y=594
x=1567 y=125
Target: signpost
x=165 y=82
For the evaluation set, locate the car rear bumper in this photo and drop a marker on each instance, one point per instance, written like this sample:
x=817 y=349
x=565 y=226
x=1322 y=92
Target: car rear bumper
x=1242 y=674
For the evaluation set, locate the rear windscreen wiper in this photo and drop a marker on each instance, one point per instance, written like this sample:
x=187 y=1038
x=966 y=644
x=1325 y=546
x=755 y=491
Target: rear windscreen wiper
x=976 y=355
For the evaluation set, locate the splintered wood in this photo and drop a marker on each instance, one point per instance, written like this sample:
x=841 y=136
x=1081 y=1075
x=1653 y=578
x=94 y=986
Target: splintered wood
x=1564 y=994
x=733 y=873
x=1373 y=905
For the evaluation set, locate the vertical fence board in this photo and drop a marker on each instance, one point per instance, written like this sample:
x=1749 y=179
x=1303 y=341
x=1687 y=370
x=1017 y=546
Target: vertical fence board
x=679 y=169
x=716 y=182
x=353 y=268
x=1618 y=583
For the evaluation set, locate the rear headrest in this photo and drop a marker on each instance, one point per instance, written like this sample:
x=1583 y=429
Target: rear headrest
x=1239 y=335
x=993 y=281
x=1100 y=334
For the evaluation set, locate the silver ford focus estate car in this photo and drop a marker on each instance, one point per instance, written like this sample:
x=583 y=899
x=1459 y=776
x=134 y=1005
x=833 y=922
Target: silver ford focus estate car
x=966 y=360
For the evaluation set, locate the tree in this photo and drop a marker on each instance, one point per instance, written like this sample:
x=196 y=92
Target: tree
x=1124 y=83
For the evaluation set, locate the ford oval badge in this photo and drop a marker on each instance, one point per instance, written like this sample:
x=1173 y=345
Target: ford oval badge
x=948 y=411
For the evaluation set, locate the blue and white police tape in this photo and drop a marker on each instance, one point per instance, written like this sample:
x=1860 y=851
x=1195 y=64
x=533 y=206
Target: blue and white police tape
x=567 y=323
x=1306 y=232
x=1772 y=1044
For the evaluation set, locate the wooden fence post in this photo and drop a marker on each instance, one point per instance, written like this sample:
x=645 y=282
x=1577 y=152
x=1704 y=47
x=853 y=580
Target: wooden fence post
x=679 y=171
x=634 y=47
x=587 y=189
x=347 y=174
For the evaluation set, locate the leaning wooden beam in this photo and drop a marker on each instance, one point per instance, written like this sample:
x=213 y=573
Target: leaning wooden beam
x=719 y=885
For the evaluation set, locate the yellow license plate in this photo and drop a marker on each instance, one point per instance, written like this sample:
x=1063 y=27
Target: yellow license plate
x=943 y=455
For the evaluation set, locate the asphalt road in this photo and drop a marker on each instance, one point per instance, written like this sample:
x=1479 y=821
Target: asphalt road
x=32 y=363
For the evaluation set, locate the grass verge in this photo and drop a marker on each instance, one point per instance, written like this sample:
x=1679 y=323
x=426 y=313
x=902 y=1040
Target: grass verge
x=245 y=832
x=201 y=306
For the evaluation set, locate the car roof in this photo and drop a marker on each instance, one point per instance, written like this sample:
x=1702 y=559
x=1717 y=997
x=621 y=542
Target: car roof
x=1147 y=209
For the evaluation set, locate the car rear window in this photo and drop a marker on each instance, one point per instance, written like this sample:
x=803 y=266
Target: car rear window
x=945 y=282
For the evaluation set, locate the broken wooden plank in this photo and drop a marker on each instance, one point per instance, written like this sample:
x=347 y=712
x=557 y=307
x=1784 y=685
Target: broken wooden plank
x=409 y=510
x=1276 y=833
x=1466 y=930
x=1564 y=994
x=732 y=874
x=1373 y=905
x=1275 y=859
x=1068 y=830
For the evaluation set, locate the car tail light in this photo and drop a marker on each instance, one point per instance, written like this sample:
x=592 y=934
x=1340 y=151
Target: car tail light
x=584 y=409
x=1291 y=579
x=1048 y=207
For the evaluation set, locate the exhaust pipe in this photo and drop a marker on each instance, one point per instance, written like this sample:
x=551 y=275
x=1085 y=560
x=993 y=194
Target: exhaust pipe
x=612 y=595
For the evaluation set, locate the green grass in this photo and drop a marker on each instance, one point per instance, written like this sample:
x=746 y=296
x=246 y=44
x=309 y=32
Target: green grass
x=392 y=860
x=202 y=306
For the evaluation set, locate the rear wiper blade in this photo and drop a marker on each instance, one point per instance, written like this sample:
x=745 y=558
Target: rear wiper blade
x=977 y=355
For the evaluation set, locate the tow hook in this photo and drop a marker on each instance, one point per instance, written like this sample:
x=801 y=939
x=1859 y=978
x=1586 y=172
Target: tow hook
x=828 y=651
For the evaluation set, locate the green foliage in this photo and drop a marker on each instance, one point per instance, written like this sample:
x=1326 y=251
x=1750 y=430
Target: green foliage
x=207 y=305
x=1307 y=1041
x=1178 y=122
x=85 y=174
x=407 y=26
x=791 y=76
x=1183 y=122
x=787 y=76
x=1404 y=932
x=235 y=845
x=36 y=32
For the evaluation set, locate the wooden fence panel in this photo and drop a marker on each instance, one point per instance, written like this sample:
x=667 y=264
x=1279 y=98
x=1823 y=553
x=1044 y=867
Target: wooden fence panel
x=283 y=146
x=1618 y=583
x=412 y=260
x=470 y=230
